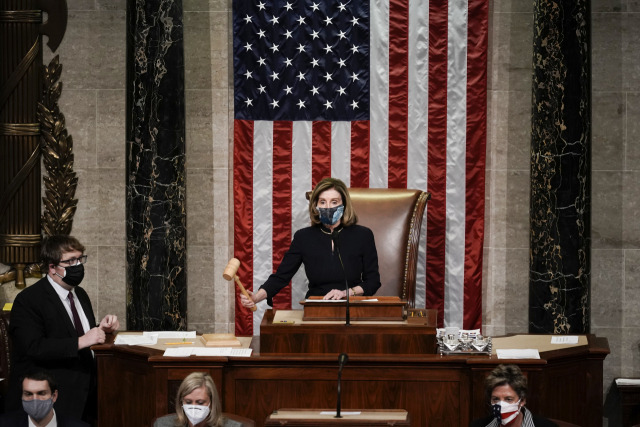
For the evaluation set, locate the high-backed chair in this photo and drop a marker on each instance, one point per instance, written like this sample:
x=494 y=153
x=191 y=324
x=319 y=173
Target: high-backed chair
x=395 y=217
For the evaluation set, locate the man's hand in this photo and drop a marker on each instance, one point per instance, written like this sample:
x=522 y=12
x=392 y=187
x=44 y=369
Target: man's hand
x=110 y=323
x=93 y=337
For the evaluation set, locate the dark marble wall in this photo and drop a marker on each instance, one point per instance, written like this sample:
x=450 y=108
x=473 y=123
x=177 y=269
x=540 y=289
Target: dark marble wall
x=560 y=271
x=155 y=200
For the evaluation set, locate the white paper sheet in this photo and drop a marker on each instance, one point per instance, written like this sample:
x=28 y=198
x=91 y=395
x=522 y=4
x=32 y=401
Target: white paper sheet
x=518 y=353
x=628 y=381
x=207 y=351
x=129 y=339
x=564 y=339
x=172 y=334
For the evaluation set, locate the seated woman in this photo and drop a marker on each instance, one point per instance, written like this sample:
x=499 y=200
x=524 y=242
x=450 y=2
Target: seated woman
x=330 y=211
x=197 y=405
x=506 y=389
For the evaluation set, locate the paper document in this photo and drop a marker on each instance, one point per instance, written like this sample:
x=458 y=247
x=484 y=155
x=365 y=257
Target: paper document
x=207 y=351
x=130 y=339
x=518 y=353
x=222 y=351
x=628 y=381
x=178 y=352
x=172 y=334
x=564 y=339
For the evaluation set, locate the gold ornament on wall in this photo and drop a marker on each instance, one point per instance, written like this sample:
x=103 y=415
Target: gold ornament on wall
x=57 y=155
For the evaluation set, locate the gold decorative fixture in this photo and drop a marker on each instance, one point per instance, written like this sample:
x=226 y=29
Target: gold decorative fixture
x=57 y=155
x=27 y=114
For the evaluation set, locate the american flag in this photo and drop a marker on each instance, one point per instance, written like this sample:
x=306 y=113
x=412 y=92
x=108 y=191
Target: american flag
x=385 y=94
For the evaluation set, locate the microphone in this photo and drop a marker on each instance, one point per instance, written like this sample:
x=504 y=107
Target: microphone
x=342 y=360
x=335 y=235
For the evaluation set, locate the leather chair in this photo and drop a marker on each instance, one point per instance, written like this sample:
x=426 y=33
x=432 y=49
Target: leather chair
x=395 y=217
x=563 y=423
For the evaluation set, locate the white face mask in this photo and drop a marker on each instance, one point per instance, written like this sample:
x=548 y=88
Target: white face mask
x=196 y=413
x=506 y=412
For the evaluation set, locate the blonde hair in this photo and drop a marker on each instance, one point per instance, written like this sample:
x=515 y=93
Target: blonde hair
x=349 y=216
x=192 y=382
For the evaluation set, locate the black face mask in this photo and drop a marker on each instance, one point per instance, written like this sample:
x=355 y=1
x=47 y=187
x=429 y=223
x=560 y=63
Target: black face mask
x=73 y=275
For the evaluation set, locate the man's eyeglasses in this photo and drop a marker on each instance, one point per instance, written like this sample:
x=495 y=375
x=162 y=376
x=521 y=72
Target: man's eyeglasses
x=74 y=261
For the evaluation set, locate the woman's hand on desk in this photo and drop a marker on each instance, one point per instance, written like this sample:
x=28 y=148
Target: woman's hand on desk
x=336 y=294
x=255 y=298
x=340 y=294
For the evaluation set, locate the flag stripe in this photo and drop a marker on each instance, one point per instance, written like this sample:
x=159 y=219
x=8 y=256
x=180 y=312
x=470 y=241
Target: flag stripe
x=301 y=177
x=398 y=80
x=281 y=207
x=321 y=150
x=242 y=218
x=456 y=159
x=341 y=151
x=418 y=95
x=360 y=154
x=436 y=170
x=379 y=93
x=476 y=159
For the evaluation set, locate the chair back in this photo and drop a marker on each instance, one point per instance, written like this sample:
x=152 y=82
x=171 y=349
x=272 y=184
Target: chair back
x=395 y=217
x=563 y=423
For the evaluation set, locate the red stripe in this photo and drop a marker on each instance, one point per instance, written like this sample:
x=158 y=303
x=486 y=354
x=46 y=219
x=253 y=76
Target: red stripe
x=475 y=162
x=281 y=229
x=437 y=151
x=243 y=215
x=320 y=151
x=360 y=154
x=398 y=92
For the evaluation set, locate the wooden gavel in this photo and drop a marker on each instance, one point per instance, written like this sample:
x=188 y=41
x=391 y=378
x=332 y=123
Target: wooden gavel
x=230 y=273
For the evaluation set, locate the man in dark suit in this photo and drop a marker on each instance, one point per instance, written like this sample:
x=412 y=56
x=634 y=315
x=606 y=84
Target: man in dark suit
x=53 y=327
x=39 y=393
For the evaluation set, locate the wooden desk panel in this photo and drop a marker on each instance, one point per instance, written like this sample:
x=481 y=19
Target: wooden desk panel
x=363 y=418
x=435 y=390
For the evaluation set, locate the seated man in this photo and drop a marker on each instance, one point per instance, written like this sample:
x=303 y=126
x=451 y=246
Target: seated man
x=39 y=393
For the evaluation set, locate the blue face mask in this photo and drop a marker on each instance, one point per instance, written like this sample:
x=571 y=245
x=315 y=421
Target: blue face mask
x=330 y=216
x=37 y=409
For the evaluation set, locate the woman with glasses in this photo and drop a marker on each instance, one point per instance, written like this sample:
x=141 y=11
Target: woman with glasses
x=53 y=327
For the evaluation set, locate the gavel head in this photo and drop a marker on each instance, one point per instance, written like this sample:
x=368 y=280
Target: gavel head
x=231 y=269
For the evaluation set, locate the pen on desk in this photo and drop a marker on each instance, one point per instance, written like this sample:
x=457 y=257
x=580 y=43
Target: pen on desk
x=178 y=343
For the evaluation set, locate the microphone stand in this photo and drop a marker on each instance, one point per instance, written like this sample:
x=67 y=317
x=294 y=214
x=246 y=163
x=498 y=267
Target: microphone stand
x=342 y=359
x=334 y=237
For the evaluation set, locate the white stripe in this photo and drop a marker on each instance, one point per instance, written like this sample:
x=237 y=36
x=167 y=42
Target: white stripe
x=379 y=96
x=456 y=152
x=418 y=103
x=262 y=213
x=301 y=183
x=341 y=151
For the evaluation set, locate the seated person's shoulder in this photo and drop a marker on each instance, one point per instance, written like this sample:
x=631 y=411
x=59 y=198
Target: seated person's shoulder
x=165 y=421
x=13 y=418
x=70 y=422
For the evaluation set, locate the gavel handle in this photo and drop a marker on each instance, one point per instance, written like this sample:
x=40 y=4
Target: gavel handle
x=243 y=290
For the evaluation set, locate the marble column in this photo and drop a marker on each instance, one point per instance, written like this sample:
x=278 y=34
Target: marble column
x=560 y=271
x=156 y=187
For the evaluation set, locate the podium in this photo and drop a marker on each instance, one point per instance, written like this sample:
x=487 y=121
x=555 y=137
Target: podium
x=360 y=308
x=288 y=332
x=352 y=418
